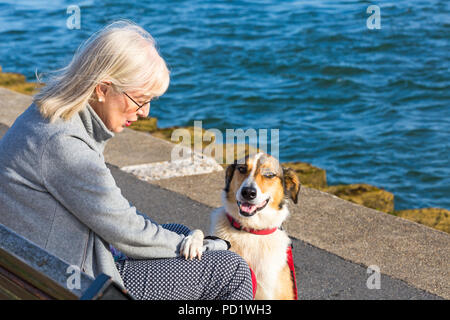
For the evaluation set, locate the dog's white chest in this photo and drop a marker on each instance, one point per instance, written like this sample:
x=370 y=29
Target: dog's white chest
x=265 y=254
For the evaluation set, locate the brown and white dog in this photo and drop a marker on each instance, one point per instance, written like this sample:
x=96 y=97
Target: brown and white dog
x=254 y=207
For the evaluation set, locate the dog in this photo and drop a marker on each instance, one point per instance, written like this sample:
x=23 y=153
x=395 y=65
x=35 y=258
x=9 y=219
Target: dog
x=254 y=199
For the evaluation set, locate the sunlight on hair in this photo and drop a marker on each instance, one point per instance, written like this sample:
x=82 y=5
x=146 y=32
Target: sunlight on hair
x=122 y=53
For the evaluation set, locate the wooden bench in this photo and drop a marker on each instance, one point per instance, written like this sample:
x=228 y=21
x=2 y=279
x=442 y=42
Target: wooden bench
x=28 y=272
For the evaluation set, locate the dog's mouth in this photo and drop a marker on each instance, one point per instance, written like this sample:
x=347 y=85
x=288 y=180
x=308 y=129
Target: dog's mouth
x=247 y=209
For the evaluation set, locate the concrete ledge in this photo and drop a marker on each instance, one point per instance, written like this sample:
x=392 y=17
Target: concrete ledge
x=401 y=248
x=134 y=148
x=12 y=104
x=193 y=164
x=203 y=188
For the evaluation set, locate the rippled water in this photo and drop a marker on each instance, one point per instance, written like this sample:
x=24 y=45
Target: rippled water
x=366 y=105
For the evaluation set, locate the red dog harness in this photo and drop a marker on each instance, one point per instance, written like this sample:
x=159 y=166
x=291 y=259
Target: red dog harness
x=290 y=259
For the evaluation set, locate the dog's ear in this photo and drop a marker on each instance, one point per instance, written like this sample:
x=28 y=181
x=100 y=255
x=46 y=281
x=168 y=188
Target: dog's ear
x=229 y=176
x=291 y=184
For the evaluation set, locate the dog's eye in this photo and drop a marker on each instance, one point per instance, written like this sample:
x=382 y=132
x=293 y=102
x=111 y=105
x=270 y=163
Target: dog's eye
x=242 y=169
x=270 y=175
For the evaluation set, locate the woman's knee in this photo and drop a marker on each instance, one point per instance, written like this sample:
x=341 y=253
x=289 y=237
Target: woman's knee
x=229 y=262
x=238 y=262
x=236 y=274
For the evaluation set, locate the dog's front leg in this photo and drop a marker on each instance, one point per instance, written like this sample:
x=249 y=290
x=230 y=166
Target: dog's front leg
x=192 y=245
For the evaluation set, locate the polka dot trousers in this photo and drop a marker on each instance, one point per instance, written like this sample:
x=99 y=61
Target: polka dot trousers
x=221 y=275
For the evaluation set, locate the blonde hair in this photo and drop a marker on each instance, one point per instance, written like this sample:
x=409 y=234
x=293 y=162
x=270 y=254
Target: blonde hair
x=122 y=53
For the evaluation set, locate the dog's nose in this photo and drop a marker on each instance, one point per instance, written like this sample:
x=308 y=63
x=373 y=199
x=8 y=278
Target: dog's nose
x=249 y=193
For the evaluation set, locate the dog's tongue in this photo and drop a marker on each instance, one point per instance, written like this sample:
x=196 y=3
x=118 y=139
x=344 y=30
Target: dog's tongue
x=247 y=207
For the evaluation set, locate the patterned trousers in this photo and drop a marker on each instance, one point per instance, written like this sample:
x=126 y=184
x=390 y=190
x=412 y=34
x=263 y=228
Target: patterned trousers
x=221 y=275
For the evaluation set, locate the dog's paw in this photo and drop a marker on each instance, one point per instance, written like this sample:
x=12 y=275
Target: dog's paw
x=192 y=245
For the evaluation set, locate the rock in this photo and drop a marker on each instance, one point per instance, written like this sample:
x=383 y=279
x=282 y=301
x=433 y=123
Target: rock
x=364 y=194
x=184 y=135
x=436 y=218
x=145 y=124
x=309 y=175
x=17 y=82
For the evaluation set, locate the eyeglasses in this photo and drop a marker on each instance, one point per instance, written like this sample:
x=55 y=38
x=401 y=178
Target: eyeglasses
x=139 y=106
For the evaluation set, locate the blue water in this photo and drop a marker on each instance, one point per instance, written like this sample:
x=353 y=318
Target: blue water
x=368 y=106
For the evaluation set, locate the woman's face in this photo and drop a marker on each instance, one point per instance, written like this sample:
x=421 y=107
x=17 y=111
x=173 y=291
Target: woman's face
x=118 y=111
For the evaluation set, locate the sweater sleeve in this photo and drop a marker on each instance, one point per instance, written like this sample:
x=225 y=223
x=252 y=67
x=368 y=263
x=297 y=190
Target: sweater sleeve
x=79 y=179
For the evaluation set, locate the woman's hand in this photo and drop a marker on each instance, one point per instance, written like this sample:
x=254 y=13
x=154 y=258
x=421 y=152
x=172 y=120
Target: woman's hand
x=192 y=245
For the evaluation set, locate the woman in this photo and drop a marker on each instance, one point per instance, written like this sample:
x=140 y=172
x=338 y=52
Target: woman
x=56 y=190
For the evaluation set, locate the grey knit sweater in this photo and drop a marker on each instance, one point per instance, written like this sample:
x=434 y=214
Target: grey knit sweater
x=56 y=190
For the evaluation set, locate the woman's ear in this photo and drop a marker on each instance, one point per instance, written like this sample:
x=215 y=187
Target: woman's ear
x=291 y=184
x=101 y=90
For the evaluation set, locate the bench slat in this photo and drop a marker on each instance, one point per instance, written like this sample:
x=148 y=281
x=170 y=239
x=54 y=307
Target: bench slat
x=28 y=272
x=37 y=268
x=23 y=276
x=13 y=288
